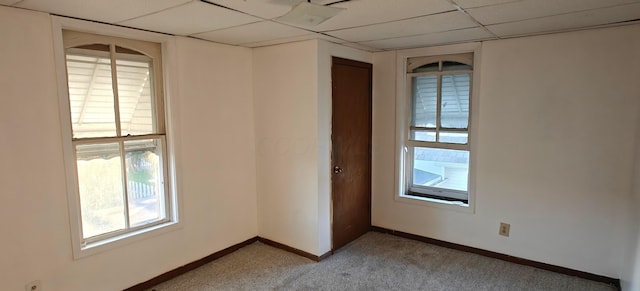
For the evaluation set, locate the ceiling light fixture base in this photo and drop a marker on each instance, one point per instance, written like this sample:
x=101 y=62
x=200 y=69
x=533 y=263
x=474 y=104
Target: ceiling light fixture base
x=307 y=14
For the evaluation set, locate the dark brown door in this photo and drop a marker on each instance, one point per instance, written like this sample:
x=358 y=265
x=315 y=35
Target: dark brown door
x=351 y=150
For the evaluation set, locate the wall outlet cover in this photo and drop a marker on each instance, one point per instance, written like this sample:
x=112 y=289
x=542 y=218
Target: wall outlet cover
x=504 y=229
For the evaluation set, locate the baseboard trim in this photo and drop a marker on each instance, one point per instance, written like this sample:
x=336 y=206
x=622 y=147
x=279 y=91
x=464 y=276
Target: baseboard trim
x=294 y=250
x=190 y=266
x=508 y=258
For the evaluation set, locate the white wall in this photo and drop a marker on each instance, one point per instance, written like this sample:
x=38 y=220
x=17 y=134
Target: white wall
x=630 y=277
x=215 y=128
x=630 y=281
x=285 y=86
x=292 y=91
x=557 y=117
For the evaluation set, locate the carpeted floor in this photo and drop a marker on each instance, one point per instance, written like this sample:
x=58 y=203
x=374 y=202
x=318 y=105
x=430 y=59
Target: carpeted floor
x=375 y=261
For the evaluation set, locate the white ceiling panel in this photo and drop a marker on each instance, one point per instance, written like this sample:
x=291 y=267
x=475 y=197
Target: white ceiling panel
x=8 y=2
x=468 y=34
x=568 y=21
x=361 y=13
x=267 y=9
x=191 y=18
x=415 y=26
x=365 y=24
x=360 y=47
x=101 y=10
x=528 y=9
x=252 y=33
x=292 y=39
x=480 y=3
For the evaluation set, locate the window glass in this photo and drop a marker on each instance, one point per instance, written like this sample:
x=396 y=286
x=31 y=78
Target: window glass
x=100 y=185
x=448 y=66
x=145 y=181
x=424 y=101
x=423 y=135
x=135 y=94
x=454 y=137
x=441 y=168
x=432 y=67
x=90 y=93
x=455 y=101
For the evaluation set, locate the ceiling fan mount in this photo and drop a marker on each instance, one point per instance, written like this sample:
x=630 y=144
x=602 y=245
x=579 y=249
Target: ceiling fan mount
x=307 y=14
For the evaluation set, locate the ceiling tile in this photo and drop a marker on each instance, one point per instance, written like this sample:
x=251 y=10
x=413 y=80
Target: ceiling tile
x=263 y=8
x=480 y=3
x=528 y=9
x=106 y=11
x=191 y=18
x=568 y=21
x=290 y=39
x=251 y=33
x=360 y=13
x=468 y=34
x=415 y=26
x=9 y=2
x=361 y=46
x=310 y=36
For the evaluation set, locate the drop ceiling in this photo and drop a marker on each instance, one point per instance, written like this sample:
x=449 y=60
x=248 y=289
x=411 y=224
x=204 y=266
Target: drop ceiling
x=372 y=25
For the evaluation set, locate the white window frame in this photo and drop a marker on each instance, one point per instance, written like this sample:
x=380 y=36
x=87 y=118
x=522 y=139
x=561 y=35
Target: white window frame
x=403 y=118
x=171 y=118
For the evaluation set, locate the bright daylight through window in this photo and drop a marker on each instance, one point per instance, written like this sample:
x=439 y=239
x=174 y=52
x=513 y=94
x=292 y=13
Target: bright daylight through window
x=437 y=144
x=118 y=136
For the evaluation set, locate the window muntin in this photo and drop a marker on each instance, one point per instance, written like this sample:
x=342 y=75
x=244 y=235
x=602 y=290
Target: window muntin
x=119 y=139
x=437 y=145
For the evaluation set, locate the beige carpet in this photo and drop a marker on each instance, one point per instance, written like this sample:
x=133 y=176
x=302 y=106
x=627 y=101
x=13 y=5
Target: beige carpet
x=375 y=261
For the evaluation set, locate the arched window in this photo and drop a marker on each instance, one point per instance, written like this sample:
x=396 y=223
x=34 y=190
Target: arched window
x=438 y=128
x=118 y=136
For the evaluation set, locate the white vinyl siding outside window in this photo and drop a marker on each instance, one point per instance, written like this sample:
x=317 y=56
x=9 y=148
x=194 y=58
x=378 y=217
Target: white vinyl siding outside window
x=437 y=140
x=115 y=101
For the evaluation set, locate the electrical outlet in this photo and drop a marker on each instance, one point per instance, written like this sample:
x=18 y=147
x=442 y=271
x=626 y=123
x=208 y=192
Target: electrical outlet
x=504 y=229
x=33 y=286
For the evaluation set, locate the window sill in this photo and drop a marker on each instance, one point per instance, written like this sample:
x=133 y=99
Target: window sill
x=436 y=203
x=123 y=240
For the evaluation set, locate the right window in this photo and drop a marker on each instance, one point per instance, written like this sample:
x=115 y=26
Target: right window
x=437 y=143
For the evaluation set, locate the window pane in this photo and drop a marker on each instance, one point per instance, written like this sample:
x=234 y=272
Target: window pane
x=441 y=168
x=423 y=135
x=135 y=94
x=432 y=67
x=455 y=101
x=454 y=137
x=455 y=66
x=90 y=93
x=100 y=184
x=424 y=101
x=145 y=183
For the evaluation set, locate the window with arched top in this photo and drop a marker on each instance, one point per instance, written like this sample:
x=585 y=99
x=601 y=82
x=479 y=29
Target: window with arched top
x=119 y=139
x=437 y=143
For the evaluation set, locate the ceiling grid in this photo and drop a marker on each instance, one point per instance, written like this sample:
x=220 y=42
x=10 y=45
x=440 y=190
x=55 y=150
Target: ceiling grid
x=372 y=25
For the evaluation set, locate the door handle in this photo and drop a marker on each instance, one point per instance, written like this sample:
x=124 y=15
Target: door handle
x=337 y=170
